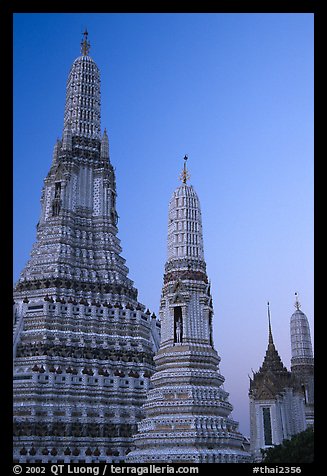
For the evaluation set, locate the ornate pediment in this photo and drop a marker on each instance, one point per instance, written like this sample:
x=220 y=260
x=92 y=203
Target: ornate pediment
x=60 y=172
x=178 y=293
x=266 y=391
x=177 y=286
x=177 y=298
x=268 y=384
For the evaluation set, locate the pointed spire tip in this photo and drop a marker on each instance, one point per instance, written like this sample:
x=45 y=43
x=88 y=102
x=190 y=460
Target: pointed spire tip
x=271 y=341
x=85 y=44
x=297 y=303
x=185 y=176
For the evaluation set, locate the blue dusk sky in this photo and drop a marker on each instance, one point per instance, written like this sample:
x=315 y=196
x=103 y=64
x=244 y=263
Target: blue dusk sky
x=235 y=93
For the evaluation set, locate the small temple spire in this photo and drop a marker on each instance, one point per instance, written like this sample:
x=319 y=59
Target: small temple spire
x=85 y=44
x=271 y=341
x=185 y=176
x=272 y=360
x=67 y=143
x=104 y=149
x=297 y=303
x=56 y=149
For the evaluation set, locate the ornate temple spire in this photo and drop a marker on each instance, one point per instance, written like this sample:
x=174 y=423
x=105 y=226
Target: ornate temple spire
x=76 y=271
x=82 y=109
x=301 y=346
x=185 y=240
x=272 y=360
x=187 y=411
x=55 y=154
x=75 y=186
x=302 y=359
x=104 y=150
x=67 y=137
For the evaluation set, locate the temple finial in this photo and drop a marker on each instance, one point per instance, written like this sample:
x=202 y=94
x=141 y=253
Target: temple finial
x=269 y=325
x=185 y=176
x=85 y=44
x=297 y=303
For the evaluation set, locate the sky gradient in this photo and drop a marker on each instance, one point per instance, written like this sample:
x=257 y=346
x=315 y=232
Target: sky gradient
x=235 y=93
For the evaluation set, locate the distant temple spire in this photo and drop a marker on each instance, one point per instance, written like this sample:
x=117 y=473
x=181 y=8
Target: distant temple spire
x=302 y=353
x=85 y=44
x=104 y=148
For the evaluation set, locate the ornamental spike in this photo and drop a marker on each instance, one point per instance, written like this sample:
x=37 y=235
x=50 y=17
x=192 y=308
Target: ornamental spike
x=185 y=176
x=85 y=44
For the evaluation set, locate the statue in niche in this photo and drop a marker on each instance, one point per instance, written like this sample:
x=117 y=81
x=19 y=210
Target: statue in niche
x=57 y=190
x=178 y=325
x=56 y=207
x=178 y=332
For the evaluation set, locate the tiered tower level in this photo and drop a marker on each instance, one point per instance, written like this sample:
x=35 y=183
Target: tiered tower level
x=83 y=344
x=188 y=415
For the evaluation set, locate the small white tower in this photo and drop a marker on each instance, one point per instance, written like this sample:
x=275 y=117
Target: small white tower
x=302 y=361
x=302 y=355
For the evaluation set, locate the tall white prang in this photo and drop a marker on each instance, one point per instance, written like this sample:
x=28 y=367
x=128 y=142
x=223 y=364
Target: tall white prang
x=83 y=344
x=188 y=415
x=302 y=361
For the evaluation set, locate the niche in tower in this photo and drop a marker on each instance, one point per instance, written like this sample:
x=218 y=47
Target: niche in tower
x=267 y=426
x=178 y=325
x=304 y=391
x=56 y=203
x=57 y=190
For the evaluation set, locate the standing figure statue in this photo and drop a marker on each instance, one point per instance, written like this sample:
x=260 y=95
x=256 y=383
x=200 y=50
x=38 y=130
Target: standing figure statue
x=178 y=331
